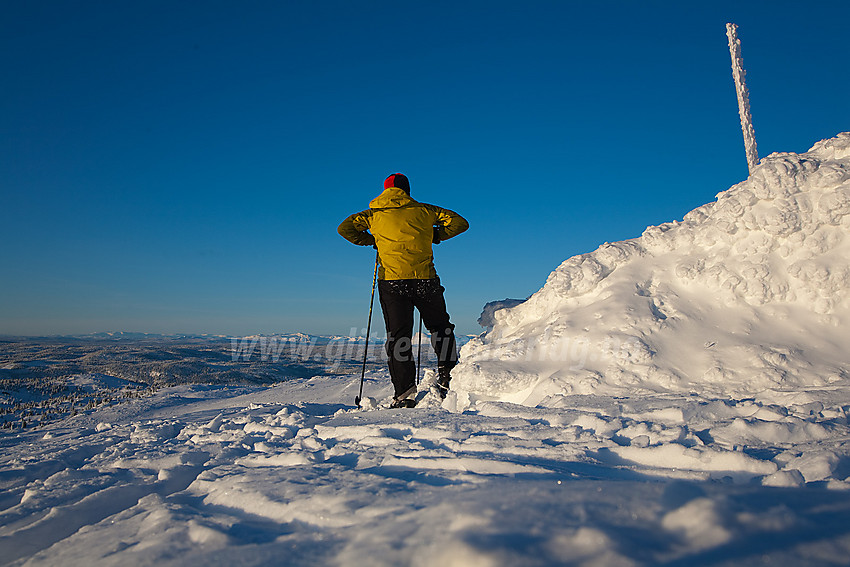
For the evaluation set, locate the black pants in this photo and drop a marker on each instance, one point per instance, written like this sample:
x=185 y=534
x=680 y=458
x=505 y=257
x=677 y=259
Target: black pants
x=398 y=298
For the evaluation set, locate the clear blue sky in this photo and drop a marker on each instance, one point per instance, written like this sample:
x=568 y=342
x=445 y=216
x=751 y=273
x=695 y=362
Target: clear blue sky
x=171 y=166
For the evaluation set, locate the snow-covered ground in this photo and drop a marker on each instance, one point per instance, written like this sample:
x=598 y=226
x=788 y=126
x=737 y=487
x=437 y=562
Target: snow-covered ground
x=677 y=399
x=293 y=475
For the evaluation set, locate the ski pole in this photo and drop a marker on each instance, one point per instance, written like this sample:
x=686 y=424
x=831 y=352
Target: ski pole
x=368 y=329
x=419 y=352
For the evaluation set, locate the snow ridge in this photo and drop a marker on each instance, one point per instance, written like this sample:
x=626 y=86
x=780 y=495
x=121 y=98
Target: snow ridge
x=745 y=294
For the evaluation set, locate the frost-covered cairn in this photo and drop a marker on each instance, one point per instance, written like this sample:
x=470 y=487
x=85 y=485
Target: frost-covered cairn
x=746 y=293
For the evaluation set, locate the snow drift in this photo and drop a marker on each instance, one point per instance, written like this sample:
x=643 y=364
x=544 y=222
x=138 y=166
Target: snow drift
x=745 y=294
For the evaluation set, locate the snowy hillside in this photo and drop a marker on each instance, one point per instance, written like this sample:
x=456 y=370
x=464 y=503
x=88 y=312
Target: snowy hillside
x=747 y=294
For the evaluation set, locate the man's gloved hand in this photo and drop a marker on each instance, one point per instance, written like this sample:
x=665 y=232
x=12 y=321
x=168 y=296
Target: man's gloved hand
x=436 y=239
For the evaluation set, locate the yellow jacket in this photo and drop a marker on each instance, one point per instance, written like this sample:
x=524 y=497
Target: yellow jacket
x=403 y=230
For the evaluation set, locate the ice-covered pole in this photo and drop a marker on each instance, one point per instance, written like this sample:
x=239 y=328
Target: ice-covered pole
x=743 y=97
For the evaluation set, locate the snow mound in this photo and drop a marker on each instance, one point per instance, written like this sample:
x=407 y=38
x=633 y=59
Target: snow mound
x=744 y=295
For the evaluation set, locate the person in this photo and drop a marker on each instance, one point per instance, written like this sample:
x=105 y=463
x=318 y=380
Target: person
x=403 y=231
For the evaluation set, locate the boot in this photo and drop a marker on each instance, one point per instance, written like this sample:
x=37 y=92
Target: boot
x=444 y=376
x=406 y=400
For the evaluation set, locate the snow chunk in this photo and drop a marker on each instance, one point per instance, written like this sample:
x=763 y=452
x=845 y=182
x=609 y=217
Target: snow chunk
x=785 y=478
x=719 y=464
x=700 y=523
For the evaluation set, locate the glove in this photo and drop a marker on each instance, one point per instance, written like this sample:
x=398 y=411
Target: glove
x=436 y=239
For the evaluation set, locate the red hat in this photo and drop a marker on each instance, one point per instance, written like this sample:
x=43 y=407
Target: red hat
x=398 y=180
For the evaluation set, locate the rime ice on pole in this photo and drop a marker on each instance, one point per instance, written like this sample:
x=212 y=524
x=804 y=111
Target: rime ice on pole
x=743 y=96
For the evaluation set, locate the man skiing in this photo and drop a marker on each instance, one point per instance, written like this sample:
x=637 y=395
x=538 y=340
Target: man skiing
x=403 y=231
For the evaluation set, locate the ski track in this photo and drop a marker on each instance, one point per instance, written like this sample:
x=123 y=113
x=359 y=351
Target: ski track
x=213 y=475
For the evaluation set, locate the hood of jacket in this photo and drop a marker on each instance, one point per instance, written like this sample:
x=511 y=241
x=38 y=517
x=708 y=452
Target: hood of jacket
x=391 y=198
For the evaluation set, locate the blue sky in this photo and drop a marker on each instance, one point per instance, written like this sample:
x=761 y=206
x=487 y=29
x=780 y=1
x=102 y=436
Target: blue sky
x=183 y=166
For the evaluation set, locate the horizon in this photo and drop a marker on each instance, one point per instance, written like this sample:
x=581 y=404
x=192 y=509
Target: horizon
x=379 y=337
x=182 y=169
